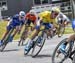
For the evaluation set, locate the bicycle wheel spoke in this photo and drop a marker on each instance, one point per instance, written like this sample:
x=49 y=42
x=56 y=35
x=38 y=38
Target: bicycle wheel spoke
x=60 y=56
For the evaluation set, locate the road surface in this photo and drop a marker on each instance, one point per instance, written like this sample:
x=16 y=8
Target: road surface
x=15 y=54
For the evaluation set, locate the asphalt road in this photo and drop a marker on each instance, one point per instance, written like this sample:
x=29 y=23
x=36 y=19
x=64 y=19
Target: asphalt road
x=15 y=54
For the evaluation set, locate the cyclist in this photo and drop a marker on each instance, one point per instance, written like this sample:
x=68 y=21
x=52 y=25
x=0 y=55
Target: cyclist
x=16 y=22
x=63 y=19
x=45 y=18
x=31 y=18
x=63 y=46
x=30 y=21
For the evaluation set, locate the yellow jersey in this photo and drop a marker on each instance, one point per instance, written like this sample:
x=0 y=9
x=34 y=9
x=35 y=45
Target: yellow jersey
x=46 y=17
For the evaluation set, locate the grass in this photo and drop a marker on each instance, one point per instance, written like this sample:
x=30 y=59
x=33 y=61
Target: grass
x=3 y=24
x=69 y=29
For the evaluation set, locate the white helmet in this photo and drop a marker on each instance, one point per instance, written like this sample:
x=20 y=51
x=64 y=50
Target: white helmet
x=22 y=13
x=32 y=12
x=56 y=9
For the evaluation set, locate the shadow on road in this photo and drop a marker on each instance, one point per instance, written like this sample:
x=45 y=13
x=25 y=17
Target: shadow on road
x=11 y=50
x=41 y=56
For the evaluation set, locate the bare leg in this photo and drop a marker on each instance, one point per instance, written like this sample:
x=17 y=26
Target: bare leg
x=72 y=37
x=16 y=31
x=33 y=34
x=6 y=33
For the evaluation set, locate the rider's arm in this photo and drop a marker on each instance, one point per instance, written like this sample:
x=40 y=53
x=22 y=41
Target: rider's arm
x=66 y=21
x=39 y=21
x=9 y=22
x=26 y=18
x=21 y=26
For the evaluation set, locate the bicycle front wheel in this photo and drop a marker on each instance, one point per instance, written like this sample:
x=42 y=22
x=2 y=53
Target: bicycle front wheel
x=59 y=57
x=37 y=48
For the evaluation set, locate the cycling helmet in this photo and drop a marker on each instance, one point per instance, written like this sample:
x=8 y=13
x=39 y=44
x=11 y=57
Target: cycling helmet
x=56 y=9
x=22 y=13
x=32 y=12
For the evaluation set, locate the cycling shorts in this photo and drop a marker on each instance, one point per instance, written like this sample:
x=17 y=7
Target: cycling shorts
x=9 y=27
x=29 y=22
x=47 y=26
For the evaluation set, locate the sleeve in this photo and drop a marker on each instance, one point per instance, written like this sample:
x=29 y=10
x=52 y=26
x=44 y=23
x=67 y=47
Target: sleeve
x=65 y=18
x=15 y=16
x=41 y=15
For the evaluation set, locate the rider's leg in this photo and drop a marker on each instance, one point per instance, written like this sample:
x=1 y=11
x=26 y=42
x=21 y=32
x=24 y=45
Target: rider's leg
x=4 y=36
x=28 y=41
x=49 y=28
x=8 y=28
x=32 y=25
x=13 y=34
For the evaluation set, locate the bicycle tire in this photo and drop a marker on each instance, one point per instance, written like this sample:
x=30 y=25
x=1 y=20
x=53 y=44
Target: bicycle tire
x=72 y=54
x=20 y=42
x=55 y=51
x=34 y=55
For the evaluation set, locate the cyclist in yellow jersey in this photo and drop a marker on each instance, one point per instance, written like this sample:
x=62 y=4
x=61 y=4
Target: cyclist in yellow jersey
x=45 y=18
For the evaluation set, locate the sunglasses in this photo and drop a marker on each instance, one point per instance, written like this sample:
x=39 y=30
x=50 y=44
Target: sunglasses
x=56 y=14
x=22 y=17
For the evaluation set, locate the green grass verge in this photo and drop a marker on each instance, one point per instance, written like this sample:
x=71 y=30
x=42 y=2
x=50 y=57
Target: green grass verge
x=68 y=30
x=3 y=24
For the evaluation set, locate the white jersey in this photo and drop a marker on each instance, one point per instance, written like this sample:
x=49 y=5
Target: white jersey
x=63 y=17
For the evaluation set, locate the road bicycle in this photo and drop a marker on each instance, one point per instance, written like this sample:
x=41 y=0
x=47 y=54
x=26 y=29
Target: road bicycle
x=62 y=57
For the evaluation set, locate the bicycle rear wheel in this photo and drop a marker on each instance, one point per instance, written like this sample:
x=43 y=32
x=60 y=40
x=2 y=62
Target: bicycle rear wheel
x=37 y=48
x=59 y=57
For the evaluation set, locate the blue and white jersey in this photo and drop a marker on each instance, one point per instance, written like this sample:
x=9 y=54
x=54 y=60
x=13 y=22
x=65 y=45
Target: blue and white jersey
x=16 y=21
